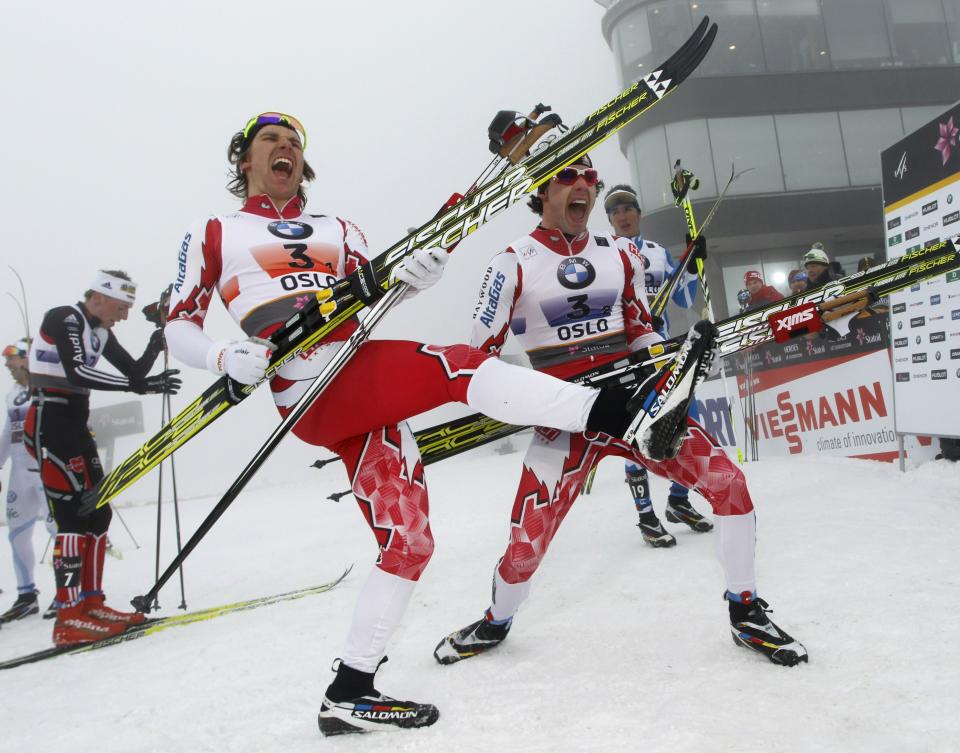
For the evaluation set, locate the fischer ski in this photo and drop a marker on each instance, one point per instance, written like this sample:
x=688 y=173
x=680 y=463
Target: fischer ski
x=793 y=317
x=157 y=624
x=330 y=307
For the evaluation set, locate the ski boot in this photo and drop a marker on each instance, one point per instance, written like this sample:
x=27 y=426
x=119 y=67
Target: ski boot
x=751 y=628
x=51 y=611
x=474 y=639
x=679 y=510
x=351 y=704
x=24 y=606
x=94 y=606
x=653 y=532
x=74 y=626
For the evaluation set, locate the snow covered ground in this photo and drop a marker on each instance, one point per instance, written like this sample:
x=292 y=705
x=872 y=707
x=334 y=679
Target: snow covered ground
x=620 y=648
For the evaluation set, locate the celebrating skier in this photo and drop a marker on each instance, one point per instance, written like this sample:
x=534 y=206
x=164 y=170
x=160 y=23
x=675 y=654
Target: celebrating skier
x=622 y=206
x=575 y=300
x=265 y=261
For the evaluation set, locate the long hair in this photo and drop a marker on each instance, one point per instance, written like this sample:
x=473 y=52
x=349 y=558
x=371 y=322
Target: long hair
x=237 y=152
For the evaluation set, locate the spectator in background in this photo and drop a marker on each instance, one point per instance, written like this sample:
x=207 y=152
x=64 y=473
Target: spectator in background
x=866 y=263
x=761 y=294
x=797 y=280
x=816 y=264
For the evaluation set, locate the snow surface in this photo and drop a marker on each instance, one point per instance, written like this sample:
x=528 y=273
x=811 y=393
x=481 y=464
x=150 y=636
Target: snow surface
x=620 y=648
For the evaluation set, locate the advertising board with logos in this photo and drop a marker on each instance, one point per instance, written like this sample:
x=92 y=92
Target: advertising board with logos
x=921 y=204
x=809 y=396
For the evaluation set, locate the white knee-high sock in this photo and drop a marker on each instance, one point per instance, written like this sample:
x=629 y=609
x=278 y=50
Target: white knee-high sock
x=736 y=538
x=507 y=597
x=376 y=615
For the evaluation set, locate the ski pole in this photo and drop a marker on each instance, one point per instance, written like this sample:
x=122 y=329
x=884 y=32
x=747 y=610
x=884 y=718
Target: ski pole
x=327 y=375
x=124 y=523
x=682 y=183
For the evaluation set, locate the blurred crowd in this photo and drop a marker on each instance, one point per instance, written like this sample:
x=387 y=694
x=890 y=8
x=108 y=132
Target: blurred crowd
x=816 y=269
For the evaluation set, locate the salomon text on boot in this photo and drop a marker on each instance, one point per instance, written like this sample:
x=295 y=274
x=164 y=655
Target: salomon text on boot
x=351 y=704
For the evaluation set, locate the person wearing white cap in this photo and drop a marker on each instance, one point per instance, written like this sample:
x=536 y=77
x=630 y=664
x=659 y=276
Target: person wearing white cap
x=63 y=369
x=816 y=264
x=623 y=211
x=25 y=498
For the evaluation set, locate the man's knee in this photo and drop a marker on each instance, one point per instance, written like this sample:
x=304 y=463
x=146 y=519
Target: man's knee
x=407 y=554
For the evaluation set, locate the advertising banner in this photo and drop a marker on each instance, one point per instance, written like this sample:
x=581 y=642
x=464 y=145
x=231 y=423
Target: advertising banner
x=921 y=197
x=810 y=396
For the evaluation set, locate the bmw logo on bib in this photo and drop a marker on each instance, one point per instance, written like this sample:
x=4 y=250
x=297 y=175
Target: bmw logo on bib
x=576 y=273
x=290 y=230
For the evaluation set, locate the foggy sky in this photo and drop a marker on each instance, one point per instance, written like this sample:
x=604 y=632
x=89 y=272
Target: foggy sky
x=116 y=118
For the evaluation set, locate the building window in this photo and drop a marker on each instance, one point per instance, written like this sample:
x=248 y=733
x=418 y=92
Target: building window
x=811 y=151
x=857 y=33
x=865 y=134
x=689 y=142
x=914 y=117
x=952 y=9
x=647 y=36
x=651 y=169
x=737 y=48
x=747 y=142
x=918 y=32
x=793 y=35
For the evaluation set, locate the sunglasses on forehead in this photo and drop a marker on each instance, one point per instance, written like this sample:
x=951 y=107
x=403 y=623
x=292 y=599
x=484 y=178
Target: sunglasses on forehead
x=568 y=176
x=276 y=118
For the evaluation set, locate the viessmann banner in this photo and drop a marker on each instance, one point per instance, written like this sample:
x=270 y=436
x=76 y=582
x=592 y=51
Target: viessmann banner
x=810 y=396
x=921 y=195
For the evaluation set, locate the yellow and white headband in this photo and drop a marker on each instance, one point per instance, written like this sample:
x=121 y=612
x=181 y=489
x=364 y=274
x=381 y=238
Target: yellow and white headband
x=114 y=287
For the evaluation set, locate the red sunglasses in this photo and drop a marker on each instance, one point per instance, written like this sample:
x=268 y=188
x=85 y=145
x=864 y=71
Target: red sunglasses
x=568 y=176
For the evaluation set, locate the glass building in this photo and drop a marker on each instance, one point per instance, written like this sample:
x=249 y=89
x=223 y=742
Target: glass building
x=805 y=93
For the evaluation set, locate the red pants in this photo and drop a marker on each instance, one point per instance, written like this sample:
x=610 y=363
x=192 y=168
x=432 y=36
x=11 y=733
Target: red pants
x=558 y=462
x=359 y=417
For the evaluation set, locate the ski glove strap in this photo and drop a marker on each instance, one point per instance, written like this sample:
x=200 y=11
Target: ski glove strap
x=165 y=383
x=245 y=362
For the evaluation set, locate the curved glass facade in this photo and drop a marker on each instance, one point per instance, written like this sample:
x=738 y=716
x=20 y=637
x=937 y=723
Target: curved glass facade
x=784 y=36
x=787 y=152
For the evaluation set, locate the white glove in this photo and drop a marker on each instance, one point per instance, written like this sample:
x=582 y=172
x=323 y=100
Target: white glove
x=245 y=361
x=422 y=268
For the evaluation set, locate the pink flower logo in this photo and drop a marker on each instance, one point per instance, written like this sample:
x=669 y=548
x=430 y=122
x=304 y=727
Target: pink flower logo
x=948 y=138
x=301 y=301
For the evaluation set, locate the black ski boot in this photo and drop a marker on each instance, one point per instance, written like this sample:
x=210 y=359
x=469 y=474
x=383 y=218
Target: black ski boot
x=351 y=704
x=24 y=606
x=679 y=510
x=653 y=532
x=50 y=612
x=752 y=629
x=474 y=639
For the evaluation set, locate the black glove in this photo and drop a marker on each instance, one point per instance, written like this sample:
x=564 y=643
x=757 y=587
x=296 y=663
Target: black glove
x=156 y=343
x=657 y=322
x=164 y=383
x=699 y=251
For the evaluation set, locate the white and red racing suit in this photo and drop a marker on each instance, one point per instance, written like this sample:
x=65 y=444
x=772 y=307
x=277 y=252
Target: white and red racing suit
x=265 y=262
x=574 y=304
